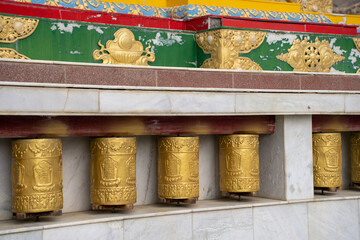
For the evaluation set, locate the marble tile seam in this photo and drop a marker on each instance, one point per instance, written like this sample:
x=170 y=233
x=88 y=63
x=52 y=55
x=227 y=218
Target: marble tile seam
x=169 y=89
x=66 y=63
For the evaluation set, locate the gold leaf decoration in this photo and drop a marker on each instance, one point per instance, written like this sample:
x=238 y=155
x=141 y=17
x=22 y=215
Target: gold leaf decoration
x=323 y=6
x=11 y=53
x=224 y=45
x=306 y=56
x=124 y=49
x=14 y=28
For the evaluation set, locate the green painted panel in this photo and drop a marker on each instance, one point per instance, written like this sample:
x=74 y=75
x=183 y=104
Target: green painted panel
x=75 y=41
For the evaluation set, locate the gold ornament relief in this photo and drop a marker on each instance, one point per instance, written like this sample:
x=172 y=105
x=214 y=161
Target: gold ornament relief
x=327 y=160
x=124 y=49
x=357 y=44
x=239 y=163
x=355 y=158
x=224 y=45
x=37 y=175
x=306 y=56
x=323 y=6
x=113 y=171
x=178 y=167
x=14 y=28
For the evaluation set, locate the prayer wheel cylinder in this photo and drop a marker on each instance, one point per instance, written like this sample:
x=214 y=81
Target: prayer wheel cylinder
x=239 y=163
x=355 y=158
x=327 y=160
x=113 y=171
x=37 y=175
x=178 y=168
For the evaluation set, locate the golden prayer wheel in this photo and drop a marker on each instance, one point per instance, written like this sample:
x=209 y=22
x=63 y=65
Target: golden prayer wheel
x=178 y=168
x=355 y=158
x=239 y=163
x=113 y=171
x=327 y=160
x=37 y=175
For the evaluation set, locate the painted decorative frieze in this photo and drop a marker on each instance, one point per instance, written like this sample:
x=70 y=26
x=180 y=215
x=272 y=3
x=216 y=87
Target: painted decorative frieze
x=178 y=168
x=37 y=175
x=224 y=45
x=239 y=163
x=113 y=171
x=305 y=56
x=11 y=53
x=124 y=49
x=327 y=160
x=15 y=28
x=183 y=11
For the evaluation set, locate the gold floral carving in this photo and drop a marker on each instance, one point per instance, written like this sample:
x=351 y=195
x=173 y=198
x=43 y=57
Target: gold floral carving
x=113 y=171
x=306 y=56
x=11 y=53
x=323 y=6
x=239 y=163
x=357 y=44
x=124 y=49
x=224 y=45
x=14 y=28
x=327 y=160
x=178 y=167
x=37 y=175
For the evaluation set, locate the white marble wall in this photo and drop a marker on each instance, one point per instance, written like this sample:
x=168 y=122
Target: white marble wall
x=272 y=168
x=146 y=170
x=319 y=219
x=208 y=167
x=5 y=179
x=286 y=170
x=334 y=220
x=298 y=157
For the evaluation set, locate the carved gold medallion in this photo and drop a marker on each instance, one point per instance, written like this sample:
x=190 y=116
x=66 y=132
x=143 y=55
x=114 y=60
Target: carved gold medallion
x=224 y=45
x=37 y=175
x=327 y=160
x=113 y=171
x=124 y=49
x=178 y=167
x=306 y=56
x=239 y=163
x=14 y=28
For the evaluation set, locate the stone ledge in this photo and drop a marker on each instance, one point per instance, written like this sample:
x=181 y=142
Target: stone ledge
x=30 y=100
x=123 y=75
x=162 y=210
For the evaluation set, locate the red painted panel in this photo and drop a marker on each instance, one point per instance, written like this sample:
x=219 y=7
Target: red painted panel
x=37 y=126
x=265 y=25
x=330 y=123
x=290 y=26
x=196 y=24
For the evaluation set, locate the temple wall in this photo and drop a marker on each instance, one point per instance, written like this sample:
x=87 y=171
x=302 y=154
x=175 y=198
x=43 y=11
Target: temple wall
x=286 y=206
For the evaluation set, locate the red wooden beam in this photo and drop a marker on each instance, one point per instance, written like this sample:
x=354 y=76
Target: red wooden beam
x=195 y=24
x=341 y=123
x=38 y=126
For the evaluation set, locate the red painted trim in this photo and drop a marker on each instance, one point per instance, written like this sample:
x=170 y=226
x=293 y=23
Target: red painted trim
x=331 y=123
x=37 y=126
x=196 y=24
x=324 y=28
